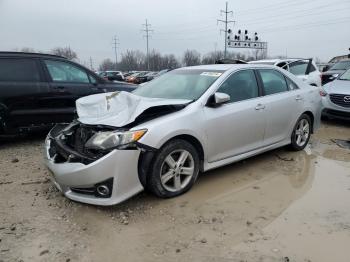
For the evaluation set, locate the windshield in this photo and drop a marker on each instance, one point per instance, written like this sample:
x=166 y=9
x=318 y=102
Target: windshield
x=342 y=65
x=345 y=76
x=180 y=84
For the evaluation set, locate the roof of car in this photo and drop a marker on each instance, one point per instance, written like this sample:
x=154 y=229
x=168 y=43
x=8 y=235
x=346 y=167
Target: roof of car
x=223 y=67
x=277 y=60
x=27 y=54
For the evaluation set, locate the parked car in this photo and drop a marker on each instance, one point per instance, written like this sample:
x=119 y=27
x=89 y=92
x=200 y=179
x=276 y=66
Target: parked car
x=39 y=90
x=305 y=69
x=168 y=130
x=157 y=74
x=145 y=78
x=335 y=70
x=112 y=75
x=132 y=78
x=336 y=97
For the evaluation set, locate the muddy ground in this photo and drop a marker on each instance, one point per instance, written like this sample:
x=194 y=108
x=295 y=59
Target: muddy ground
x=279 y=206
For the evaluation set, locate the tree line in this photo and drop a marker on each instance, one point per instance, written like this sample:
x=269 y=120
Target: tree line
x=137 y=60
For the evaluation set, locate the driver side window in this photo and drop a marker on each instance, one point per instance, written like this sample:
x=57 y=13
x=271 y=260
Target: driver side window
x=66 y=72
x=240 y=86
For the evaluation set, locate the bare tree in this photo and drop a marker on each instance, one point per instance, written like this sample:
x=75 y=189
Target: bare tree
x=106 y=64
x=66 y=52
x=132 y=60
x=155 y=60
x=27 y=50
x=169 y=62
x=212 y=57
x=191 y=57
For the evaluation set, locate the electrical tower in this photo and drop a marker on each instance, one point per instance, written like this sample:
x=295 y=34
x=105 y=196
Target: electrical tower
x=147 y=30
x=116 y=44
x=226 y=12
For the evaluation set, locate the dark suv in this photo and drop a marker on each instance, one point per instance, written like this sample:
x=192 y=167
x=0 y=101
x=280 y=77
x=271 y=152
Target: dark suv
x=39 y=90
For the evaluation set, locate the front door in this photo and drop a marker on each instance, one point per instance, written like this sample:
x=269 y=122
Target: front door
x=238 y=126
x=68 y=82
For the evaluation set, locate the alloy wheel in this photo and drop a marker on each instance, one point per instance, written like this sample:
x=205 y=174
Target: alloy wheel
x=302 y=132
x=177 y=170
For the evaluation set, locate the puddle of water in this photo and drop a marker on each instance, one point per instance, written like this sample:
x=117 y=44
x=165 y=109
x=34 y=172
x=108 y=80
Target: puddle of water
x=314 y=228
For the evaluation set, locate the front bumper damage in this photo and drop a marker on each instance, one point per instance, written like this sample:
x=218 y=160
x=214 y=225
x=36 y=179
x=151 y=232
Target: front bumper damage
x=79 y=177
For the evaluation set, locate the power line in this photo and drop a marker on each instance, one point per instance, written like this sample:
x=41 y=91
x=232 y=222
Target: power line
x=226 y=12
x=147 y=30
x=116 y=44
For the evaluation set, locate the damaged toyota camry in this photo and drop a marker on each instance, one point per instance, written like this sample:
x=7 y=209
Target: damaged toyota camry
x=187 y=121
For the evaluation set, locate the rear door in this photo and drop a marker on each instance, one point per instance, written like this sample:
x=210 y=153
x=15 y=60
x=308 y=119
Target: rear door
x=22 y=90
x=283 y=103
x=68 y=82
x=238 y=126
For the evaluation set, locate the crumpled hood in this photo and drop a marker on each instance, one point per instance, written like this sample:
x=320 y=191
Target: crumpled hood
x=120 y=108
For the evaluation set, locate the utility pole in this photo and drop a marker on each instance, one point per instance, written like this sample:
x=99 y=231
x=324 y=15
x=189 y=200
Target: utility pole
x=147 y=30
x=115 y=44
x=226 y=12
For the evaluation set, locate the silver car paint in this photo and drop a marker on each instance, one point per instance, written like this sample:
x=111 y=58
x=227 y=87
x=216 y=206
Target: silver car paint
x=194 y=120
x=228 y=133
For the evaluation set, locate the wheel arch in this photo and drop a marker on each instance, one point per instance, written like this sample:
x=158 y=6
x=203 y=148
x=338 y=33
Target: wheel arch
x=312 y=117
x=147 y=156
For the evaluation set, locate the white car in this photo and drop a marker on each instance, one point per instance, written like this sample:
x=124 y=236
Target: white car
x=305 y=69
x=336 y=97
x=187 y=121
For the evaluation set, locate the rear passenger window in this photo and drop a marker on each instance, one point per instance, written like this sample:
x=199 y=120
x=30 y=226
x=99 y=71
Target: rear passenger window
x=298 y=68
x=273 y=82
x=240 y=86
x=18 y=70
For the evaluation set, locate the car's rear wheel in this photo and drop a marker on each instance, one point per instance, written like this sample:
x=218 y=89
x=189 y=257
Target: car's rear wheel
x=301 y=133
x=175 y=169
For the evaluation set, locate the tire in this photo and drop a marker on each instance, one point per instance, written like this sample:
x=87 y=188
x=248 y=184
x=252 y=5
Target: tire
x=170 y=176
x=301 y=133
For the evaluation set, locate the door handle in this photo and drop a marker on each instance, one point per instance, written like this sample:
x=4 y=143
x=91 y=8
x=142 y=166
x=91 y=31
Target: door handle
x=259 y=107
x=298 y=98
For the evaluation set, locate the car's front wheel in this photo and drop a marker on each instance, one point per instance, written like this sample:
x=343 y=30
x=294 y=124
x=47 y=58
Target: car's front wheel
x=174 y=170
x=301 y=133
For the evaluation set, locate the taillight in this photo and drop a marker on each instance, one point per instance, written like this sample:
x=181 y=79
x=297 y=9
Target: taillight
x=323 y=93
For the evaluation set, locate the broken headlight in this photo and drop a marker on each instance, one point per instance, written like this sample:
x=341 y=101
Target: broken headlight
x=112 y=139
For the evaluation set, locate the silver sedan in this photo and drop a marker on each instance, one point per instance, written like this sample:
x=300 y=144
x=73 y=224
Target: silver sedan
x=187 y=121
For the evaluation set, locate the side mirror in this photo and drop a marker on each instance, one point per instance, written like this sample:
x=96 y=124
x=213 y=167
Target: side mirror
x=218 y=99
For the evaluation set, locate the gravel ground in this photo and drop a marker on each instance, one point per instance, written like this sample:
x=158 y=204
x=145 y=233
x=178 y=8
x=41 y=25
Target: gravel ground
x=279 y=206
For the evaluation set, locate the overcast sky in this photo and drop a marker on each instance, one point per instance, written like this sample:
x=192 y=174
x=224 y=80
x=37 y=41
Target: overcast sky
x=300 y=28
